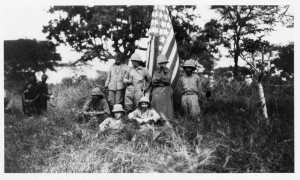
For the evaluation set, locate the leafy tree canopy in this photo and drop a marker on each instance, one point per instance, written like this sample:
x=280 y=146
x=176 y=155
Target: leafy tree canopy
x=94 y=30
x=285 y=61
x=25 y=55
x=240 y=22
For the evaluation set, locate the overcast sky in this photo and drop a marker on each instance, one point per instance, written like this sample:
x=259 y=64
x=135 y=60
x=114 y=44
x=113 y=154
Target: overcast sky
x=27 y=21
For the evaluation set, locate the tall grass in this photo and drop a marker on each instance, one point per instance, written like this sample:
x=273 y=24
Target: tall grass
x=230 y=136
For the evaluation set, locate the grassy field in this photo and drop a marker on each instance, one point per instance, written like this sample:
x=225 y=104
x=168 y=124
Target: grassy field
x=231 y=136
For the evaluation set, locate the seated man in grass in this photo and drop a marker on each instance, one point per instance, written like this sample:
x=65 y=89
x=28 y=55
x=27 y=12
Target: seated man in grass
x=144 y=114
x=95 y=110
x=114 y=123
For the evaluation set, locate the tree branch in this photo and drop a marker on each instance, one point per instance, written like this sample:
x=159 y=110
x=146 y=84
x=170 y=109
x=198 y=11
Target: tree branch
x=243 y=57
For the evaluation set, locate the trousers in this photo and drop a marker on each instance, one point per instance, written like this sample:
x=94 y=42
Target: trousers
x=190 y=104
x=116 y=97
x=132 y=97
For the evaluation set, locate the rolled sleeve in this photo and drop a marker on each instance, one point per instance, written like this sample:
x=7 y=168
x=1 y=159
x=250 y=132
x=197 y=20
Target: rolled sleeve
x=155 y=116
x=104 y=125
x=133 y=114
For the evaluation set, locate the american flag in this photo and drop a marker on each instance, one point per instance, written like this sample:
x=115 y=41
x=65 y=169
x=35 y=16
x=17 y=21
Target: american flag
x=162 y=41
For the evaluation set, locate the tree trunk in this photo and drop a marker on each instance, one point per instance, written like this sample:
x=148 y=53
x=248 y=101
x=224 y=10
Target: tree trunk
x=261 y=89
x=236 y=56
x=263 y=101
x=235 y=71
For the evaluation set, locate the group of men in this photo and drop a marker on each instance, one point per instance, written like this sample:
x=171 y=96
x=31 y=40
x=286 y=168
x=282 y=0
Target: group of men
x=131 y=86
x=35 y=96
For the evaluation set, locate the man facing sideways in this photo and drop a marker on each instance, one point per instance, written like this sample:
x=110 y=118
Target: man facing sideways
x=95 y=110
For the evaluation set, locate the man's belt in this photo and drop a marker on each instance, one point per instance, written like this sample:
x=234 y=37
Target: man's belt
x=189 y=93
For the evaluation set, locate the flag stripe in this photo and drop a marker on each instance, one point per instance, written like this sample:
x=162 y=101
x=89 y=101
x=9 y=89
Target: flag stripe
x=172 y=59
x=174 y=65
x=171 y=47
x=175 y=79
x=162 y=41
x=168 y=41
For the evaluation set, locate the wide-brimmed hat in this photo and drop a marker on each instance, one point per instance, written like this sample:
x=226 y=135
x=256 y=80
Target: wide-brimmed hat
x=162 y=59
x=189 y=63
x=136 y=57
x=97 y=92
x=146 y=100
x=118 y=108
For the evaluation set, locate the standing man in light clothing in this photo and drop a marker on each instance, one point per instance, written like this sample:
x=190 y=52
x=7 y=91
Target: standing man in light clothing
x=191 y=86
x=137 y=81
x=114 y=82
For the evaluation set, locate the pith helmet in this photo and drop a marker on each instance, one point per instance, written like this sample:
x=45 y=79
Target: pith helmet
x=189 y=63
x=97 y=92
x=118 y=108
x=144 y=99
x=136 y=57
x=162 y=59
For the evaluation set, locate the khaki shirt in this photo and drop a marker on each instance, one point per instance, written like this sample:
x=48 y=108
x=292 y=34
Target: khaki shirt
x=102 y=105
x=191 y=83
x=110 y=123
x=115 y=77
x=147 y=114
x=138 y=76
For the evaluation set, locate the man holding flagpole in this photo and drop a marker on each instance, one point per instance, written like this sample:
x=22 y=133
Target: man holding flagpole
x=162 y=52
x=162 y=93
x=162 y=41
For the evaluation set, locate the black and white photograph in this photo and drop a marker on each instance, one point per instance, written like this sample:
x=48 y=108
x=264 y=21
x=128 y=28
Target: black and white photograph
x=148 y=88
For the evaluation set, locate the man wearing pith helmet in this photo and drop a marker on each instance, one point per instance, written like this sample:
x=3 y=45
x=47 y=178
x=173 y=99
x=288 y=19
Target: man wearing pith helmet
x=137 y=81
x=114 y=123
x=191 y=86
x=144 y=113
x=162 y=93
x=96 y=109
